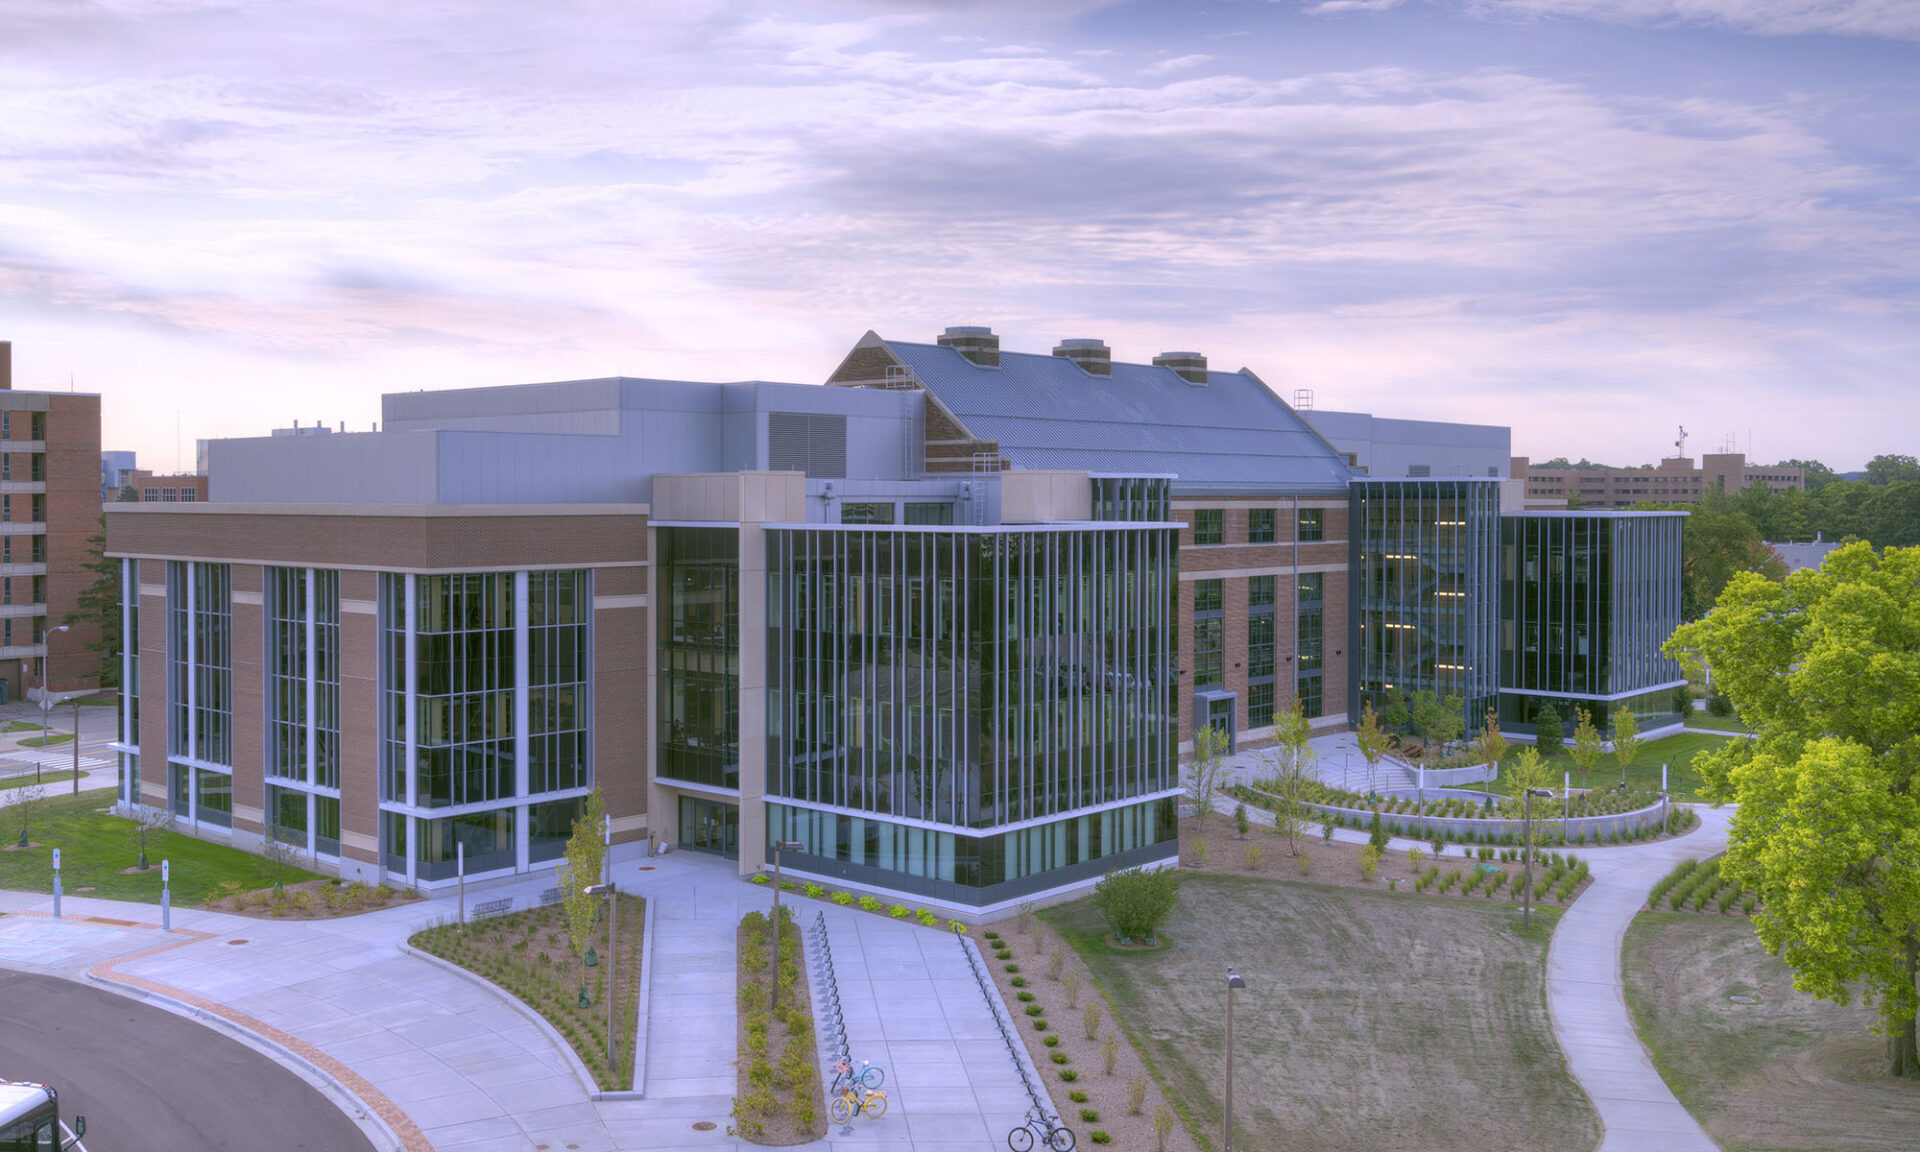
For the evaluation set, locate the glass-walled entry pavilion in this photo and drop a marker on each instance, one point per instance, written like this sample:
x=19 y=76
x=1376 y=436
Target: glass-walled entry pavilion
x=971 y=714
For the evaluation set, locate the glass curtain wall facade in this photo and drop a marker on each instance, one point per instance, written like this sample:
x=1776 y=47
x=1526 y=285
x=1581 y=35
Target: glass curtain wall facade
x=1424 y=554
x=200 y=691
x=129 y=726
x=1586 y=603
x=485 y=697
x=302 y=659
x=971 y=714
x=699 y=653
x=1136 y=499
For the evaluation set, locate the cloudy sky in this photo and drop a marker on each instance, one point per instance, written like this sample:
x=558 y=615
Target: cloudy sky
x=1593 y=220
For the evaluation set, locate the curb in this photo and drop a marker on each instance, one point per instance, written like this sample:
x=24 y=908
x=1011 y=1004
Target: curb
x=644 y=1007
x=343 y=1097
x=580 y=1073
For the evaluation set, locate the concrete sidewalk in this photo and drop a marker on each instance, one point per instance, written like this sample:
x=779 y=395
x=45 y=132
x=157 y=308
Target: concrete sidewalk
x=449 y=1062
x=1587 y=1001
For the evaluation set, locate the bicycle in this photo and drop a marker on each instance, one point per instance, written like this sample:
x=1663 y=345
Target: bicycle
x=857 y=1100
x=870 y=1075
x=1057 y=1137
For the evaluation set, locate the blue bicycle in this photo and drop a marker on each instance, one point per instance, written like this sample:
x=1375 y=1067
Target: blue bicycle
x=1058 y=1137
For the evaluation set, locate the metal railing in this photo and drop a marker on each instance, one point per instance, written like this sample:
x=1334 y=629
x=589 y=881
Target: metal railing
x=1008 y=1035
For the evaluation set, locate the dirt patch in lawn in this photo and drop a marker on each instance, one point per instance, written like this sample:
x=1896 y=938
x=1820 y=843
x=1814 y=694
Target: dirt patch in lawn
x=1375 y=1021
x=1773 y=1069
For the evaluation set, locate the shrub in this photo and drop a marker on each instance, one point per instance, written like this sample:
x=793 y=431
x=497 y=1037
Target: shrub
x=759 y=878
x=957 y=927
x=1251 y=854
x=1069 y=1075
x=1018 y=981
x=1093 y=1012
x=1099 y=1136
x=899 y=912
x=1051 y=1041
x=1370 y=861
x=926 y=919
x=1039 y=1025
x=1024 y=997
x=813 y=890
x=1089 y=1115
x=788 y=886
x=1059 y=1058
x=1012 y=968
x=1077 y=1096
x=870 y=904
x=1414 y=856
x=1035 y=1010
x=1162 y=1126
x=1110 y=1047
x=1199 y=848
x=843 y=898
x=1135 y=901
x=1136 y=1095
x=1305 y=862
x=1326 y=829
x=1240 y=821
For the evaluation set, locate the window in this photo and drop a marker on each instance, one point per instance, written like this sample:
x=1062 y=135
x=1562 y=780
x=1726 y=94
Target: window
x=1312 y=586
x=866 y=513
x=1209 y=526
x=1260 y=591
x=1259 y=705
x=150 y=495
x=1313 y=524
x=1309 y=696
x=6 y=509
x=1208 y=633
x=928 y=513
x=1260 y=528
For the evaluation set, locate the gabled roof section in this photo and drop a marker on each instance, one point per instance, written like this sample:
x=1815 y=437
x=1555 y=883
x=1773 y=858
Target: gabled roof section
x=1046 y=412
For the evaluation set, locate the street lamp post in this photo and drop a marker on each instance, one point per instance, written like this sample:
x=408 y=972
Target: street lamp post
x=1226 y=1138
x=774 y=974
x=1526 y=896
x=613 y=958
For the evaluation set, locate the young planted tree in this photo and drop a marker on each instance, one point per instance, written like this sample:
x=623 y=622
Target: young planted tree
x=1626 y=740
x=146 y=824
x=1206 y=773
x=278 y=847
x=1528 y=770
x=1440 y=721
x=1587 y=747
x=29 y=804
x=1374 y=740
x=1548 y=735
x=579 y=870
x=1823 y=670
x=1490 y=746
x=1135 y=901
x=1291 y=760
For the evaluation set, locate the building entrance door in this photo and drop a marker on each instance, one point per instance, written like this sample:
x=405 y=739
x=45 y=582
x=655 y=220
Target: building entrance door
x=1216 y=708
x=710 y=826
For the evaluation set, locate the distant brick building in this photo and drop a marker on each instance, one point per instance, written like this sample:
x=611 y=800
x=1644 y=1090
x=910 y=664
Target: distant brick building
x=49 y=509
x=1675 y=481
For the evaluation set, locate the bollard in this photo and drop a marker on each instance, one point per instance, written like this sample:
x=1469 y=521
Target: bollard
x=56 y=883
x=166 y=896
x=460 y=869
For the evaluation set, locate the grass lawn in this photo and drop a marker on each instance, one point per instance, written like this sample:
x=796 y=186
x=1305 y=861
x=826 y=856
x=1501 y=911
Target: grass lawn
x=1784 y=1072
x=43 y=741
x=95 y=847
x=47 y=776
x=1370 y=1020
x=527 y=954
x=1676 y=751
x=18 y=726
x=1709 y=723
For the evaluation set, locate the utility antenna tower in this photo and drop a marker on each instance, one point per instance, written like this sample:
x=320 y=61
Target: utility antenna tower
x=1680 y=443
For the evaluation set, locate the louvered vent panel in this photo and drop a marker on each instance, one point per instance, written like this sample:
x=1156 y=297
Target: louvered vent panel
x=808 y=442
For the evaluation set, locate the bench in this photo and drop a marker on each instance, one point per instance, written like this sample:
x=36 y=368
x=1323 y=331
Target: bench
x=498 y=907
x=550 y=896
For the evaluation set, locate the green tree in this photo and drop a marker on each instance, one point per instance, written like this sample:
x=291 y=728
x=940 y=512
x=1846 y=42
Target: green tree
x=1527 y=770
x=1374 y=740
x=1824 y=670
x=1206 y=773
x=580 y=869
x=1626 y=740
x=1136 y=901
x=1490 y=746
x=1888 y=469
x=98 y=607
x=1548 y=735
x=1439 y=721
x=1291 y=762
x=1588 y=746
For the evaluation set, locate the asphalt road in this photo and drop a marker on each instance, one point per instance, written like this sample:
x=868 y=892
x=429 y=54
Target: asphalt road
x=150 y=1081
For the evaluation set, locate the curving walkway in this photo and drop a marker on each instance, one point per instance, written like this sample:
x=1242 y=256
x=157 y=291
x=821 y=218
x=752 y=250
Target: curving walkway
x=1587 y=1001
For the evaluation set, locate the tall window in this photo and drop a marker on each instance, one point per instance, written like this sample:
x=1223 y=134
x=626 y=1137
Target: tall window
x=1260 y=526
x=303 y=651
x=1309 y=664
x=866 y=513
x=557 y=610
x=1312 y=524
x=1260 y=595
x=200 y=661
x=1209 y=526
x=1208 y=633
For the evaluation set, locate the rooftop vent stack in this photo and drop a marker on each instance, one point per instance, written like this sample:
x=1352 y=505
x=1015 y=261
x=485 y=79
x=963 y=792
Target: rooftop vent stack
x=1191 y=366
x=979 y=345
x=6 y=364
x=1092 y=355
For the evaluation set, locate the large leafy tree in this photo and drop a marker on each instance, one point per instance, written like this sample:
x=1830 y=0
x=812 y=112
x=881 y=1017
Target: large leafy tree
x=1888 y=469
x=1825 y=669
x=99 y=606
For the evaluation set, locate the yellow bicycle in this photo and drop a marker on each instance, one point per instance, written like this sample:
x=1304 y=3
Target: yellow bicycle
x=856 y=1100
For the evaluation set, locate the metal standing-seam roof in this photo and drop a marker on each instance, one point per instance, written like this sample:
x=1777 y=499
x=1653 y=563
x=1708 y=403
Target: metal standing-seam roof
x=1047 y=412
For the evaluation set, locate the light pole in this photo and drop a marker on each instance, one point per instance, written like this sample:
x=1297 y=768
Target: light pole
x=774 y=974
x=1526 y=896
x=613 y=959
x=1226 y=1124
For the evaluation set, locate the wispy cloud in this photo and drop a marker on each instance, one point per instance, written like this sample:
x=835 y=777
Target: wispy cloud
x=1176 y=64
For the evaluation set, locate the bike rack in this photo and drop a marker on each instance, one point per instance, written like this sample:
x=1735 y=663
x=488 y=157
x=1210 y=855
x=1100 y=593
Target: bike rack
x=827 y=996
x=1015 y=1050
